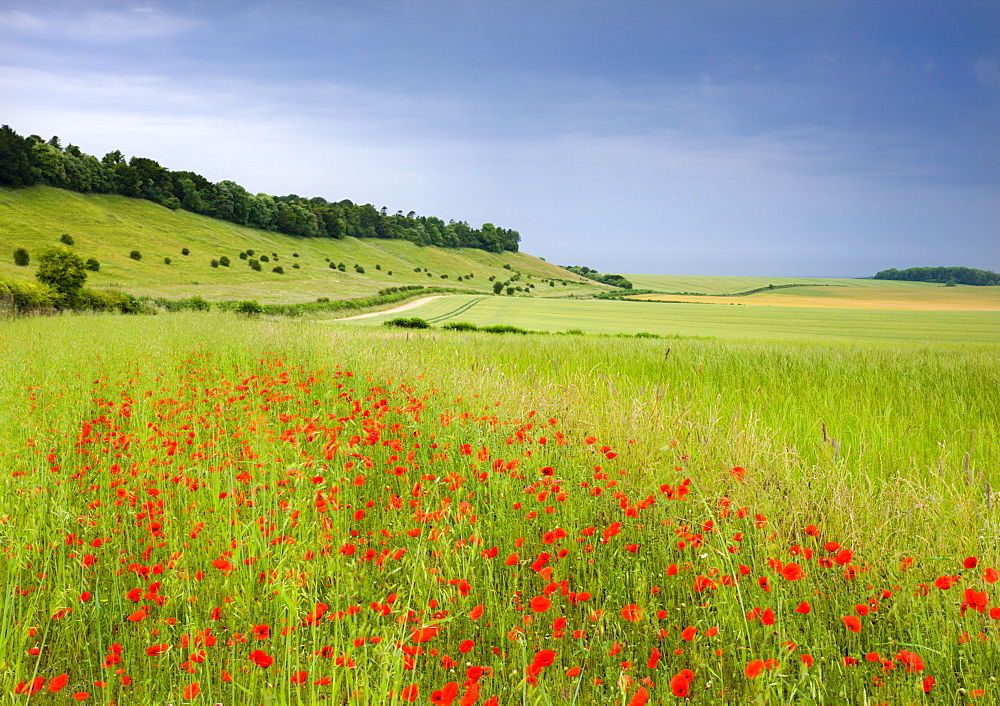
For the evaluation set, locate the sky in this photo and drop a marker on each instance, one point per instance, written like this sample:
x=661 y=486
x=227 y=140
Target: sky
x=701 y=137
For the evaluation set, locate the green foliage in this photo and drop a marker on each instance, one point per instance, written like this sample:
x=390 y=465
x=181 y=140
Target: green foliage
x=166 y=261
x=224 y=261
x=66 y=239
x=214 y=263
x=278 y=270
x=191 y=304
x=265 y=258
x=92 y=264
x=63 y=271
x=254 y=264
x=135 y=255
x=942 y=275
x=503 y=328
x=185 y=251
x=248 y=308
x=612 y=280
x=22 y=297
x=359 y=269
x=460 y=326
x=402 y=322
x=21 y=257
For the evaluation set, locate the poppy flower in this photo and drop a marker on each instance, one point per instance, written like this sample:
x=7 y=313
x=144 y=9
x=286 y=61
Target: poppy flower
x=803 y=608
x=410 y=693
x=57 y=683
x=631 y=612
x=544 y=658
x=853 y=623
x=192 y=690
x=754 y=668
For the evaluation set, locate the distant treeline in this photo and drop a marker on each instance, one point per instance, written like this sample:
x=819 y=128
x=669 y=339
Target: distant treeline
x=25 y=161
x=613 y=280
x=944 y=275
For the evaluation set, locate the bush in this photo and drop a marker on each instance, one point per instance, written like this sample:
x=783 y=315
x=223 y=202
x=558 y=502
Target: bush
x=243 y=256
x=248 y=308
x=185 y=251
x=249 y=252
x=63 y=271
x=460 y=326
x=414 y=322
x=254 y=264
x=92 y=264
x=378 y=267
x=333 y=265
x=444 y=276
x=215 y=263
x=66 y=239
x=135 y=255
x=389 y=273
x=21 y=257
x=322 y=299
x=295 y=265
x=295 y=254
x=502 y=328
x=342 y=267
x=22 y=296
x=224 y=261
x=166 y=261
x=193 y=304
x=359 y=269
x=265 y=258
x=574 y=332
x=278 y=270
x=646 y=334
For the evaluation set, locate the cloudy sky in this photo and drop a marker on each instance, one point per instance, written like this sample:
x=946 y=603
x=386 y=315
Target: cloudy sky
x=729 y=137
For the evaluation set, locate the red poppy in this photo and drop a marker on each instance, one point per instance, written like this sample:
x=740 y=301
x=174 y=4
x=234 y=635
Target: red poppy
x=540 y=604
x=544 y=658
x=853 y=623
x=754 y=668
x=410 y=693
x=631 y=612
x=192 y=690
x=803 y=608
x=58 y=683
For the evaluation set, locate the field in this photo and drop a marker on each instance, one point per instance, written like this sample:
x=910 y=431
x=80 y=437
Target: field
x=729 y=320
x=860 y=294
x=227 y=510
x=108 y=228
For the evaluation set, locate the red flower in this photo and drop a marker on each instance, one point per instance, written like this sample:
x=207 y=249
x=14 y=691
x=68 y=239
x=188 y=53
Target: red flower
x=543 y=658
x=803 y=608
x=192 y=690
x=299 y=677
x=410 y=693
x=632 y=612
x=754 y=668
x=58 y=683
x=540 y=604
x=853 y=623
x=424 y=634
x=261 y=658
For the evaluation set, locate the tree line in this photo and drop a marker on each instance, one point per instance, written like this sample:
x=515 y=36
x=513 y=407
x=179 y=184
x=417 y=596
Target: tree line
x=943 y=275
x=613 y=280
x=26 y=161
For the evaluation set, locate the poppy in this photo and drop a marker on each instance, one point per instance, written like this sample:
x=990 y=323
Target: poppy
x=631 y=612
x=192 y=690
x=754 y=668
x=540 y=604
x=853 y=623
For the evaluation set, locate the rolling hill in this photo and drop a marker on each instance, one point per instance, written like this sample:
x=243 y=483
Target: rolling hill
x=109 y=228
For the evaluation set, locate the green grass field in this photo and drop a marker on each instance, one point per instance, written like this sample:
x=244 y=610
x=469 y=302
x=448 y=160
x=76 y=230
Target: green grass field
x=203 y=508
x=110 y=227
x=728 y=321
x=734 y=285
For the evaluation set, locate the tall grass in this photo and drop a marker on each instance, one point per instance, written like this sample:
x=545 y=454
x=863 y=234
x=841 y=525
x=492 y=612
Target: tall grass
x=889 y=453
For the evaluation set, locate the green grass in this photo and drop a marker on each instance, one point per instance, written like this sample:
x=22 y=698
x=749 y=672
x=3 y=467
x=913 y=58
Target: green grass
x=730 y=321
x=252 y=427
x=734 y=285
x=108 y=228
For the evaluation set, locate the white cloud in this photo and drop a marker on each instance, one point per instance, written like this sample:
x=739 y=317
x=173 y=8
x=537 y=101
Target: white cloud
x=98 y=26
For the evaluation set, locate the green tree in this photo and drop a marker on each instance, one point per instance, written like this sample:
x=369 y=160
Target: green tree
x=63 y=271
x=21 y=257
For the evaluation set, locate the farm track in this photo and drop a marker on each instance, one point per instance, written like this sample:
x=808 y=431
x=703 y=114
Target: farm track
x=460 y=309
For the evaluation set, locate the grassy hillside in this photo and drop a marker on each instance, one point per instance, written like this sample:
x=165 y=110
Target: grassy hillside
x=110 y=227
x=733 y=285
x=729 y=320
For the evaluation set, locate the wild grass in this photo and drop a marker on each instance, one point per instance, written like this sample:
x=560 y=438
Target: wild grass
x=729 y=321
x=248 y=494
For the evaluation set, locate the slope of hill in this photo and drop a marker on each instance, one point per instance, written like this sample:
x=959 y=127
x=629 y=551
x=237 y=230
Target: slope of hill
x=109 y=228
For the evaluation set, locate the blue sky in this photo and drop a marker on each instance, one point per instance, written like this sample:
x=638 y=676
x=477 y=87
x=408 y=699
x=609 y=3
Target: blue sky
x=722 y=137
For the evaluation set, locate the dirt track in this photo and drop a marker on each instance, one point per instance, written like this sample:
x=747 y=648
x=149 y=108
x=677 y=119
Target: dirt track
x=404 y=307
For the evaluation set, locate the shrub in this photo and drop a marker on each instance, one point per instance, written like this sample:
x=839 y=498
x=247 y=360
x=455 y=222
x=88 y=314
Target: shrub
x=265 y=258
x=185 y=251
x=249 y=252
x=66 y=239
x=389 y=273
x=224 y=261
x=416 y=269
x=460 y=326
x=510 y=291
x=333 y=265
x=322 y=299
x=502 y=328
x=646 y=334
x=278 y=270
x=378 y=267
x=21 y=296
x=295 y=254
x=342 y=267
x=21 y=257
x=444 y=276
x=166 y=261
x=92 y=264
x=248 y=308
x=254 y=264
x=215 y=263
x=574 y=332
x=414 y=322
x=135 y=255
x=243 y=256
x=359 y=269
x=295 y=265
x=63 y=271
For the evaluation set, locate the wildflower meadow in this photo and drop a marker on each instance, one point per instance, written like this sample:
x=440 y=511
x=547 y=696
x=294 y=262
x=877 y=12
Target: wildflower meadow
x=209 y=509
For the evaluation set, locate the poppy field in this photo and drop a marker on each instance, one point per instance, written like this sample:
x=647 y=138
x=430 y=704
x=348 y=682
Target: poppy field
x=207 y=509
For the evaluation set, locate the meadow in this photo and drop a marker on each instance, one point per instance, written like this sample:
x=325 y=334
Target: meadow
x=730 y=320
x=205 y=508
x=109 y=228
